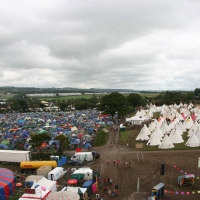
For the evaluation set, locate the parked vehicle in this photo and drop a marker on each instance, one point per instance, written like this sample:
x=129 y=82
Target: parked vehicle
x=75 y=162
x=61 y=160
x=32 y=166
x=56 y=173
x=87 y=171
x=96 y=154
x=83 y=156
x=14 y=156
x=43 y=171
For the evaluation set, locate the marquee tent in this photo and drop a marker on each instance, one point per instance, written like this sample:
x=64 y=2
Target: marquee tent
x=63 y=195
x=7 y=183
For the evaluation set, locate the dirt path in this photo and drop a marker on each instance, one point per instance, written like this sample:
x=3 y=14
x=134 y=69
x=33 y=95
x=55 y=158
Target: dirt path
x=146 y=166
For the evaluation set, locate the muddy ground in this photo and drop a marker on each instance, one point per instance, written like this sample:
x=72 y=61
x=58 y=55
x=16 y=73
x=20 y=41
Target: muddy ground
x=146 y=166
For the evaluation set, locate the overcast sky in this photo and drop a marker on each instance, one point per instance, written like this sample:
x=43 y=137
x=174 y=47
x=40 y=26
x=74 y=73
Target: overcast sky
x=129 y=44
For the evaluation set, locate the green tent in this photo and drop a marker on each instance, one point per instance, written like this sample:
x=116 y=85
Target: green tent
x=78 y=190
x=42 y=131
x=5 y=142
x=77 y=176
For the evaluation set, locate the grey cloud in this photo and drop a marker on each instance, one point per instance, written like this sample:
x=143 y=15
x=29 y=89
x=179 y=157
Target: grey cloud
x=107 y=44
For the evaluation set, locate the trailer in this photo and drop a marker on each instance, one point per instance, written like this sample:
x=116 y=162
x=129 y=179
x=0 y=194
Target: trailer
x=31 y=167
x=14 y=156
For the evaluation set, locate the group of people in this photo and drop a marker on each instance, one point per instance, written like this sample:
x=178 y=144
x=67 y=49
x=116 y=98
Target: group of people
x=113 y=190
x=115 y=162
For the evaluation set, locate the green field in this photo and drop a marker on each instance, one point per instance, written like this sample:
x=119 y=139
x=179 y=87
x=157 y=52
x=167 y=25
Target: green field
x=130 y=135
x=8 y=96
x=150 y=95
x=66 y=97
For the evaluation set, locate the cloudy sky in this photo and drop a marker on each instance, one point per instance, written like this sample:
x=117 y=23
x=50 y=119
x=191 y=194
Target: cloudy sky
x=130 y=44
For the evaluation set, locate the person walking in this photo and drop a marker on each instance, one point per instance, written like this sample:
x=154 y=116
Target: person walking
x=105 y=181
x=108 y=161
x=111 y=144
x=102 y=198
x=111 y=181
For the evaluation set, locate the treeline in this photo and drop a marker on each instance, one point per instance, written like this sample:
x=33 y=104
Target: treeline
x=116 y=104
x=33 y=90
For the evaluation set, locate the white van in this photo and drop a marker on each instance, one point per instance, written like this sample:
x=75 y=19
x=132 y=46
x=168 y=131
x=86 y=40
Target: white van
x=87 y=171
x=83 y=156
x=56 y=173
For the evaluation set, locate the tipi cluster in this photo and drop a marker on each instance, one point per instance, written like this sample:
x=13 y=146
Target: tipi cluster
x=169 y=128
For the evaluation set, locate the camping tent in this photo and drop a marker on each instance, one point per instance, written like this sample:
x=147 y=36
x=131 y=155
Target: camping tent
x=193 y=141
x=142 y=135
x=176 y=137
x=77 y=190
x=147 y=131
x=166 y=143
x=50 y=185
x=30 y=179
x=63 y=195
x=153 y=140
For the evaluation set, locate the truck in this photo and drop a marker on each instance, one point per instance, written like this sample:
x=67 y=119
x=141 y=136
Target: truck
x=43 y=171
x=14 y=156
x=31 y=166
x=61 y=160
x=88 y=156
x=56 y=173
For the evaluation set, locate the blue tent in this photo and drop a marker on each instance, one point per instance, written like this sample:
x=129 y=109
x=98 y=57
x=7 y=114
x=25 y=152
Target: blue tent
x=87 y=145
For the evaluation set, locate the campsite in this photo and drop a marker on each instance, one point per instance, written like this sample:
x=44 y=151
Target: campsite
x=135 y=165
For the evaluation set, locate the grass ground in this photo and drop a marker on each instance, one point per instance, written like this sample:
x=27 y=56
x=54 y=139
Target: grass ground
x=66 y=97
x=130 y=135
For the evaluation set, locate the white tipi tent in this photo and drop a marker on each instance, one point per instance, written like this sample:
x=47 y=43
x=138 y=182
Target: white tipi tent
x=176 y=137
x=197 y=133
x=159 y=133
x=188 y=123
x=147 y=131
x=193 y=141
x=152 y=126
x=164 y=128
x=166 y=143
x=153 y=140
x=142 y=135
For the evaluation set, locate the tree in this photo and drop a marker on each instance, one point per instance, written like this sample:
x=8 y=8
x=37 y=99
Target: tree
x=112 y=103
x=63 y=143
x=135 y=100
x=38 y=139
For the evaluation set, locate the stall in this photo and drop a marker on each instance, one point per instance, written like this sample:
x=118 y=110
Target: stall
x=186 y=180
